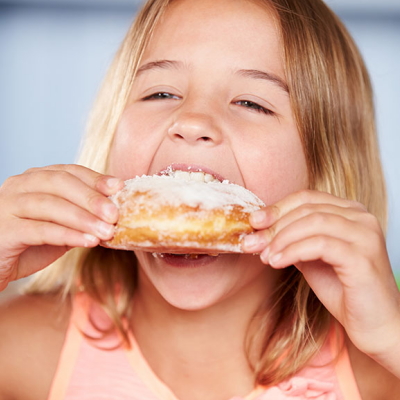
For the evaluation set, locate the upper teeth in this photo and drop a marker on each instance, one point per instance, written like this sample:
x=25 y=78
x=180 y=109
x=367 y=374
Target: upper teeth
x=193 y=176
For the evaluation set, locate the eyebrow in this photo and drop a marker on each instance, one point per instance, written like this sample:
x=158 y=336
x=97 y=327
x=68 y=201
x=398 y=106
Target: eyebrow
x=268 y=76
x=163 y=64
x=248 y=73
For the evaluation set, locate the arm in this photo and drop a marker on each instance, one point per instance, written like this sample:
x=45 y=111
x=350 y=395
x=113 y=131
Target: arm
x=43 y=213
x=374 y=381
x=340 y=249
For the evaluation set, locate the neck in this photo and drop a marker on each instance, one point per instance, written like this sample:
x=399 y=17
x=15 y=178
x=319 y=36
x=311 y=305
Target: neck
x=198 y=345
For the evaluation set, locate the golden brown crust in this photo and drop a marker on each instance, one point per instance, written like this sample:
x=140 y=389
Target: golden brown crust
x=149 y=221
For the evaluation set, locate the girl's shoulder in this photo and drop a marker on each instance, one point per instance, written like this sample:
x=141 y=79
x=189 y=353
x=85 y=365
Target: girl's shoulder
x=32 y=332
x=374 y=381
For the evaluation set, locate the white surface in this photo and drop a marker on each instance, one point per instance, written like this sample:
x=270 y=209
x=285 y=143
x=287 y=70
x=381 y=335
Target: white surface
x=379 y=42
x=50 y=68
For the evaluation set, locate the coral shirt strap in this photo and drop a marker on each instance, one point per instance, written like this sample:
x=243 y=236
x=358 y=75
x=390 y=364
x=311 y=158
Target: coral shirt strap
x=70 y=351
x=343 y=369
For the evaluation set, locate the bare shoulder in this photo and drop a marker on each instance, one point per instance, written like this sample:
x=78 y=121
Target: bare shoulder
x=374 y=381
x=32 y=332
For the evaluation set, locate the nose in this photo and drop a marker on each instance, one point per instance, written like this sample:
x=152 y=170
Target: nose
x=195 y=128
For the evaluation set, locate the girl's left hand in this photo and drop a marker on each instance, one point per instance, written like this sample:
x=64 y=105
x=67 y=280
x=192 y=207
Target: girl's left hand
x=340 y=249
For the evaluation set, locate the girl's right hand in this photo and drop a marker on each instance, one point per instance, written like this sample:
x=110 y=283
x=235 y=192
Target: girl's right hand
x=46 y=211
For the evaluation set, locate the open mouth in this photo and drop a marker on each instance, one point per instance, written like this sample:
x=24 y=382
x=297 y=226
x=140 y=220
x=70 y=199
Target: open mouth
x=189 y=256
x=186 y=260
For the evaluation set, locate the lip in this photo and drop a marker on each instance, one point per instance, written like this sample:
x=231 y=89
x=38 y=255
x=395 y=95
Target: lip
x=185 y=260
x=191 y=168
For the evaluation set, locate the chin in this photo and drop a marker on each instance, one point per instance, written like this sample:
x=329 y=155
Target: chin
x=190 y=283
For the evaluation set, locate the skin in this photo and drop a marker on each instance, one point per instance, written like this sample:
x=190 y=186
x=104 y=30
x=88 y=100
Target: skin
x=203 y=120
x=208 y=114
x=34 y=233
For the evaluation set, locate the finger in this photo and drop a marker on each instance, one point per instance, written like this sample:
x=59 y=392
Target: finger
x=50 y=208
x=314 y=224
x=105 y=184
x=256 y=242
x=266 y=217
x=66 y=185
x=38 y=233
x=40 y=244
x=307 y=219
x=324 y=248
x=37 y=258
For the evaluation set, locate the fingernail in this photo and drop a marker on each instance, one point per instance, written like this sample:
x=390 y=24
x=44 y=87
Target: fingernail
x=257 y=217
x=113 y=182
x=265 y=256
x=110 y=212
x=275 y=258
x=90 y=240
x=104 y=230
x=250 y=242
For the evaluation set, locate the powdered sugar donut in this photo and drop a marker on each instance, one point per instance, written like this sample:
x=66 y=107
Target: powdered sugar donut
x=183 y=212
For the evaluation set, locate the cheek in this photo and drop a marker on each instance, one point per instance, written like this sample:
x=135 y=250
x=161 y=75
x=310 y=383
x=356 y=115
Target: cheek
x=276 y=169
x=131 y=150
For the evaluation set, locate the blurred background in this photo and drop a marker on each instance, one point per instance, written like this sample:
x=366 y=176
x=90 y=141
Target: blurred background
x=54 y=53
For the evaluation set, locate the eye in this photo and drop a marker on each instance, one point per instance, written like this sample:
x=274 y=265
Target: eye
x=254 y=106
x=160 y=96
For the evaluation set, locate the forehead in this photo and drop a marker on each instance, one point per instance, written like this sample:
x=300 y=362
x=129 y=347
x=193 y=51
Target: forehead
x=242 y=26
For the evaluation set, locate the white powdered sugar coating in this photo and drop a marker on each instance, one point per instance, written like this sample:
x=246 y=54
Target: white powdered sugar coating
x=175 y=191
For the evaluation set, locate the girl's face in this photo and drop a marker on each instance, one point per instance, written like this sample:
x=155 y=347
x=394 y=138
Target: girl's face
x=210 y=94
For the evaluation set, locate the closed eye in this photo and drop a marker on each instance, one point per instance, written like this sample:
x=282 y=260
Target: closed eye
x=254 y=106
x=160 y=96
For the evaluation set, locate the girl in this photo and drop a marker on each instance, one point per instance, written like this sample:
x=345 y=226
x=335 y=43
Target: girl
x=272 y=95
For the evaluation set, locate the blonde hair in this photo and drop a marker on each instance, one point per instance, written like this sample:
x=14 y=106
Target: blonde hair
x=331 y=99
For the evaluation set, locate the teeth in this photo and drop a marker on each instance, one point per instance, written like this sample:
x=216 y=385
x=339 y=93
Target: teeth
x=209 y=178
x=197 y=176
x=157 y=255
x=182 y=175
x=195 y=256
x=193 y=176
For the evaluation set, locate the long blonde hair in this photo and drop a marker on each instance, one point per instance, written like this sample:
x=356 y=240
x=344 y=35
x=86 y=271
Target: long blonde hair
x=331 y=99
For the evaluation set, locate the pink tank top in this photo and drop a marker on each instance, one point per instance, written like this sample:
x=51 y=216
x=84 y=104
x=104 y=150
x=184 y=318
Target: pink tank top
x=97 y=370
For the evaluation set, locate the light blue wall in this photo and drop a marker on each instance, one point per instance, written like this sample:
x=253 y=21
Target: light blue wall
x=52 y=60
x=379 y=41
